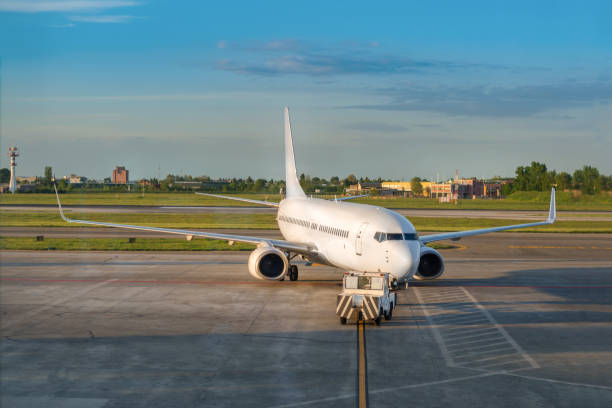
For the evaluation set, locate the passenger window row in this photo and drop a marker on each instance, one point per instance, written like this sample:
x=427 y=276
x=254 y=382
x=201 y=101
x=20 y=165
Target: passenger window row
x=334 y=231
x=323 y=228
x=296 y=221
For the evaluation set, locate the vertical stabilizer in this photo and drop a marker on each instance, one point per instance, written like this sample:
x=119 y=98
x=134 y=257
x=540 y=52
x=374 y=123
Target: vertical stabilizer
x=291 y=179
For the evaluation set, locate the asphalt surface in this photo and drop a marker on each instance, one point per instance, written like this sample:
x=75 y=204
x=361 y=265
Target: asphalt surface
x=511 y=215
x=517 y=320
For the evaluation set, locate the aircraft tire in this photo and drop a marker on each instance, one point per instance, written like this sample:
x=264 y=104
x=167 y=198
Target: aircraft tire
x=293 y=273
x=343 y=320
x=378 y=318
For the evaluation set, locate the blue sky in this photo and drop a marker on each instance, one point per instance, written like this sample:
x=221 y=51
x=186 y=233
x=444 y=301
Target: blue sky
x=393 y=90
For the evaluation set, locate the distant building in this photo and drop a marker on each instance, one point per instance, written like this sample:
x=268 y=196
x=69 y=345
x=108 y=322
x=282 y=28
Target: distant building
x=193 y=185
x=399 y=186
x=26 y=180
x=120 y=175
x=74 y=179
x=405 y=187
x=368 y=188
x=471 y=188
x=214 y=184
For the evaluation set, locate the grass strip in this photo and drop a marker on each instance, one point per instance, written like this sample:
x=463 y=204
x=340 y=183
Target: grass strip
x=267 y=221
x=439 y=246
x=165 y=220
x=149 y=199
x=461 y=224
x=119 y=244
x=528 y=200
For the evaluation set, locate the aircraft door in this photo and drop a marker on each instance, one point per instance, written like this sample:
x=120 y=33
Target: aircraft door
x=359 y=240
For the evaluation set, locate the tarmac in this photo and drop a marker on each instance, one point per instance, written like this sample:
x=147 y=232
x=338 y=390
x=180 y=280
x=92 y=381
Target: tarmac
x=516 y=320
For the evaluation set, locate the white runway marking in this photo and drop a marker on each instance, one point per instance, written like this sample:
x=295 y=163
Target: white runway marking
x=528 y=377
x=390 y=389
x=467 y=334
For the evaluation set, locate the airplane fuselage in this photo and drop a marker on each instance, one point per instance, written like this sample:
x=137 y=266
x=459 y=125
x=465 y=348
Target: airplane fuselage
x=349 y=235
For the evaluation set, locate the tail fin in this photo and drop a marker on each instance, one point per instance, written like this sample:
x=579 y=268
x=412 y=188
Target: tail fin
x=291 y=179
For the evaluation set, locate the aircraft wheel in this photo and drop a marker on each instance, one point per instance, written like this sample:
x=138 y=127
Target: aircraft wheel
x=293 y=273
x=378 y=318
x=343 y=320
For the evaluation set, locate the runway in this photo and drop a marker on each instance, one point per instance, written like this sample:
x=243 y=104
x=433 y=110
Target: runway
x=517 y=320
x=444 y=213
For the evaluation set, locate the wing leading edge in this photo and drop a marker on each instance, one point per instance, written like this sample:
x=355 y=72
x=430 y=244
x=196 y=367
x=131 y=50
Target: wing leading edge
x=246 y=200
x=280 y=244
x=552 y=215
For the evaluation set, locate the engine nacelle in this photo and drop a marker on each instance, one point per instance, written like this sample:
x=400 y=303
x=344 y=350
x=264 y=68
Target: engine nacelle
x=268 y=263
x=431 y=265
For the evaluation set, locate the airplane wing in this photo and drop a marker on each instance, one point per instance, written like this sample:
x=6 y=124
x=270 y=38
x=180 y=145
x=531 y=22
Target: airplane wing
x=246 y=200
x=351 y=197
x=269 y=203
x=552 y=215
x=280 y=244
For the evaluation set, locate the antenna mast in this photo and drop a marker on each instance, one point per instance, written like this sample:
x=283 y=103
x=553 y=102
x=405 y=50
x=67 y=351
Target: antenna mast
x=13 y=183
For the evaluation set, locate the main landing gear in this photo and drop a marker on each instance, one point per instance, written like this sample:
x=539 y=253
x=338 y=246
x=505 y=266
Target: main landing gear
x=293 y=273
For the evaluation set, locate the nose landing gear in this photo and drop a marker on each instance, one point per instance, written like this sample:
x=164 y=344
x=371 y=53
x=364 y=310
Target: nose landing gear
x=293 y=273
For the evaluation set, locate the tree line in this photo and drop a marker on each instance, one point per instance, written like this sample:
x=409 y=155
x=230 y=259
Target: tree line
x=535 y=177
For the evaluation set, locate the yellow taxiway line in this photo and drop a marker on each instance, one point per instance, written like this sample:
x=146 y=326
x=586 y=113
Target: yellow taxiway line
x=362 y=368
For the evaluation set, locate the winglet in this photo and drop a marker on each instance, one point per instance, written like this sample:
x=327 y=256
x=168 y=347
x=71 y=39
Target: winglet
x=552 y=211
x=293 y=185
x=60 y=204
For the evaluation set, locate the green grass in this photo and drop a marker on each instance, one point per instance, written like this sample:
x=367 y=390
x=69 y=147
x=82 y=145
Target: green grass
x=530 y=200
x=166 y=220
x=267 y=221
x=119 y=244
x=590 y=215
x=438 y=246
x=460 y=224
x=149 y=199
x=524 y=200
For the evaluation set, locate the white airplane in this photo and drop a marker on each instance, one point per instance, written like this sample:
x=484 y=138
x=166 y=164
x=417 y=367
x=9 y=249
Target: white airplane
x=349 y=236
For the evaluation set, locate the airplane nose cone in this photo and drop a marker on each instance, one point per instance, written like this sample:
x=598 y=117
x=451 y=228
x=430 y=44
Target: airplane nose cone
x=405 y=259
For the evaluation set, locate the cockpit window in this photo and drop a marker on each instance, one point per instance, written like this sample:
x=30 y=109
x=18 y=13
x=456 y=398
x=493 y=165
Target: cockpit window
x=380 y=236
x=389 y=236
x=392 y=236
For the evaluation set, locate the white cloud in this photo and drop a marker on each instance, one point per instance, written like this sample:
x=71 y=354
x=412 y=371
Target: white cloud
x=139 y=98
x=103 y=19
x=41 y=6
x=67 y=25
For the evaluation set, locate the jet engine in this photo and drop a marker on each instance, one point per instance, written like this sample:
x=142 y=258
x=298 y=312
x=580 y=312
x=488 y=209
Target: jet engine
x=431 y=265
x=268 y=263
